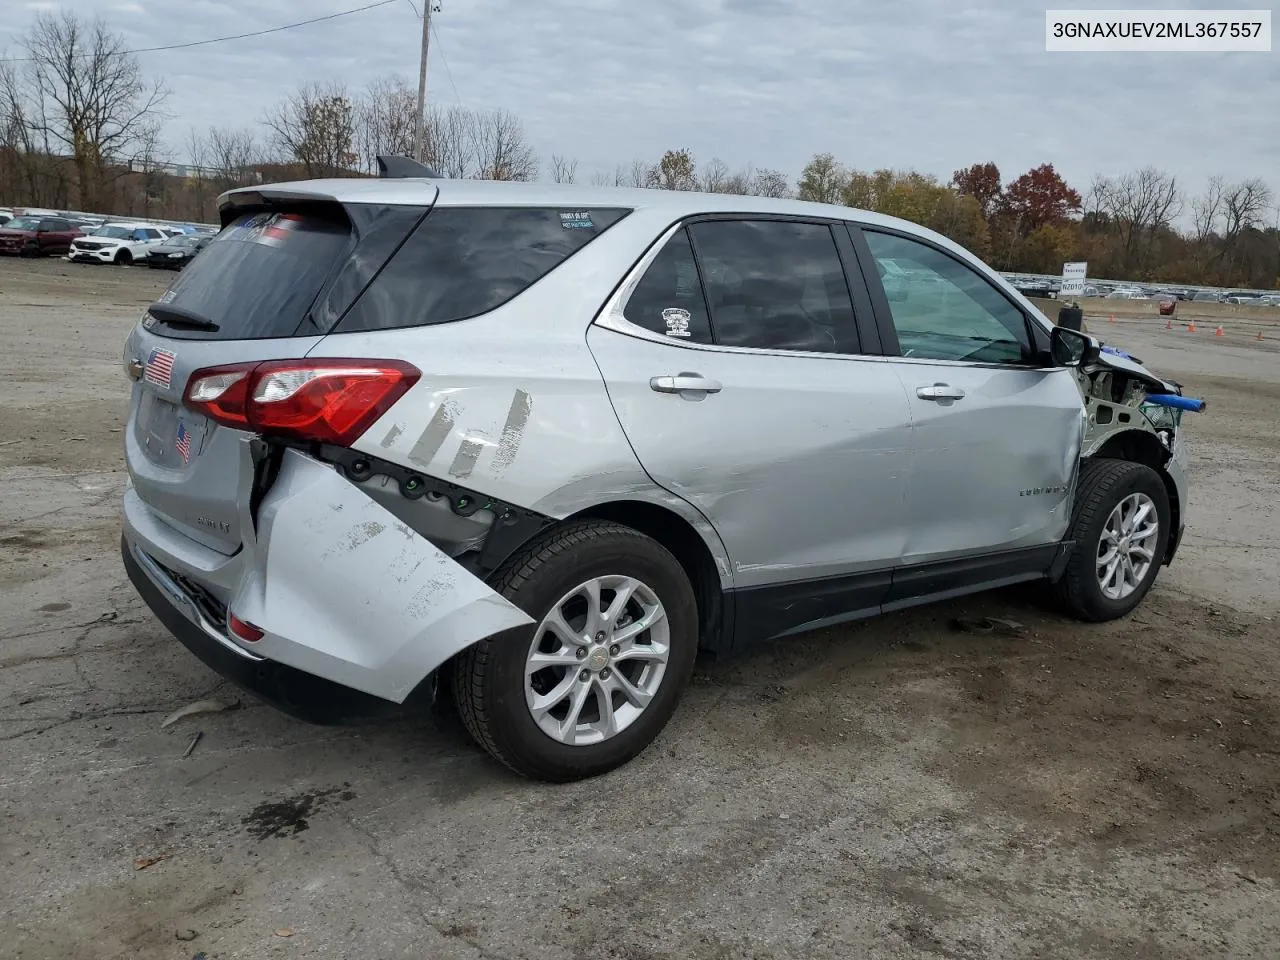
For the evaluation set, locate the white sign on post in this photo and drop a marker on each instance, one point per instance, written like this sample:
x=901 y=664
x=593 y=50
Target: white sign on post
x=1073 y=275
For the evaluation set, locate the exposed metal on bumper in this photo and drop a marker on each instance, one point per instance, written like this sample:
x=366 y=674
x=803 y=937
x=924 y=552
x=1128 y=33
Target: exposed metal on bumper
x=341 y=588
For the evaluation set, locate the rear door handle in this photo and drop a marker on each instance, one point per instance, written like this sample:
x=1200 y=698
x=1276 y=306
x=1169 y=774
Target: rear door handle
x=940 y=393
x=684 y=383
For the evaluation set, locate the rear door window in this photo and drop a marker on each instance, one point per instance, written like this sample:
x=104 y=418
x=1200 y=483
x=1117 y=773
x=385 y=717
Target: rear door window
x=465 y=261
x=668 y=299
x=776 y=285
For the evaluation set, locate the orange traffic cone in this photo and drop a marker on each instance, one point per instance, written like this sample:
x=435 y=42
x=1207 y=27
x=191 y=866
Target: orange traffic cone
x=1259 y=334
x=1111 y=319
x=1168 y=324
x=1218 y=332
x=1191 y=327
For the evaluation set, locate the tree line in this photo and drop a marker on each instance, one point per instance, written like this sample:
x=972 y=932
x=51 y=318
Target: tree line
x=80 y=127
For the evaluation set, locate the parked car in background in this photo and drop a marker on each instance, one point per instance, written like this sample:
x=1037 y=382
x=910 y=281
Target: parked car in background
x=119 y=243
x=1126 y=293
x=5 y=215
x=1168 y=303
x=1207 y=296
x=37 y=236
x=176 y=252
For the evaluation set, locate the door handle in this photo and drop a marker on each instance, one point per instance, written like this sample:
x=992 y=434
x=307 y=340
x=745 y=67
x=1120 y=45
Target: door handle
x=940 y=392
x=684 y=383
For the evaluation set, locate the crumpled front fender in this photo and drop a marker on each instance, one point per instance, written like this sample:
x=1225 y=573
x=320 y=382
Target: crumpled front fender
x=343 y=589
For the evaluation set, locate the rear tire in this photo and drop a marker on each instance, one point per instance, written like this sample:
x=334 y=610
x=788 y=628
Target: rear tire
x=507 y=702
x=1100 y=584
x=123 y=258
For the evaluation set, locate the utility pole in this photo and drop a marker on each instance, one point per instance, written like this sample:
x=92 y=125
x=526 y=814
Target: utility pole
x=420 y=125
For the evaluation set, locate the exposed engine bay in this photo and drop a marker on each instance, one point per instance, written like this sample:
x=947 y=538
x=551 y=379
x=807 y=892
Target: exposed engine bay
x=1120 y=395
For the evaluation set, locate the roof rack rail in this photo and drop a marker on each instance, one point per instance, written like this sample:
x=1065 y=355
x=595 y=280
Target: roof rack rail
x=391 y=166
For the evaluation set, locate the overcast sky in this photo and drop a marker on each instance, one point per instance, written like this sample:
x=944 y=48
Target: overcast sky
x=926 y=84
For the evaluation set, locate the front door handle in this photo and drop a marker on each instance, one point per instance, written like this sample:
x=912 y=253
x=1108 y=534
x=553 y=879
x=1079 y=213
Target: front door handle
x=684 y=383
x=940 y=393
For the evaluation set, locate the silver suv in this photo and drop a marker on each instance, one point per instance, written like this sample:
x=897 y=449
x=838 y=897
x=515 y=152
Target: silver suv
x=534 y=446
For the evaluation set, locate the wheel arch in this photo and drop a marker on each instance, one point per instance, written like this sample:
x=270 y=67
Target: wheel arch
x=1140 y=446
x=689 y=546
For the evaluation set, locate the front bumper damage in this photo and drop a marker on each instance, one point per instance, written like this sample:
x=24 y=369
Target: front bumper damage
x=345 y=593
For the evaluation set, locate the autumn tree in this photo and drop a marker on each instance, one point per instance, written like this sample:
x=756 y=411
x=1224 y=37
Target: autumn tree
x=1038 y=197
x=315 y=128
x=921 y=199
x=982 y=182
x=822 y=180
x=81 y=91
x=675 y=171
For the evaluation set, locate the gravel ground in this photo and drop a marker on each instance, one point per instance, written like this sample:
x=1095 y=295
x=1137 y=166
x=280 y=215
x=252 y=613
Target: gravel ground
x=892 y=789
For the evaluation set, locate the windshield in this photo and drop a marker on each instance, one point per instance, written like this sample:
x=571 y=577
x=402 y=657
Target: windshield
x=114 y=233
x=22 y=223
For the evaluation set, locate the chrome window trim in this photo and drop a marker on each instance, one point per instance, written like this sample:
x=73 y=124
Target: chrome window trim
x=612 y=317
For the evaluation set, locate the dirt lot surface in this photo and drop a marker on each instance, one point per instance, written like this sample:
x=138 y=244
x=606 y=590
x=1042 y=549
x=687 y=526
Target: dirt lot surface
x=893 y=789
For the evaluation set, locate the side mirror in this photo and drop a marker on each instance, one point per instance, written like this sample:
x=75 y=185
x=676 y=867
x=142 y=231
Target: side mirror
x=1071 y=348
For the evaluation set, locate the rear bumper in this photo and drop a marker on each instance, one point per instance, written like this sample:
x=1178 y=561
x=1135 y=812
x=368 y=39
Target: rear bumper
x=342 y=590
x=299 y=694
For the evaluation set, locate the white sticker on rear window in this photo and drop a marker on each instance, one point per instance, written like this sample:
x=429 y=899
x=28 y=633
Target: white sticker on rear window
x=576 y=220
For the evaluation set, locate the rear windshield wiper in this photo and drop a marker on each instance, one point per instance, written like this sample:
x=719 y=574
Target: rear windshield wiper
x=177 y=317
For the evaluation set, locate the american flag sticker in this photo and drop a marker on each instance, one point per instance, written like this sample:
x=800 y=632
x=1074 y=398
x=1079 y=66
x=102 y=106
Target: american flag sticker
x=183 y=443
x=159 y=368
x=277 y=230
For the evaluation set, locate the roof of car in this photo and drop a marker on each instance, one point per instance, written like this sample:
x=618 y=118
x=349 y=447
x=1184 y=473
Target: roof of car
x=494 y=192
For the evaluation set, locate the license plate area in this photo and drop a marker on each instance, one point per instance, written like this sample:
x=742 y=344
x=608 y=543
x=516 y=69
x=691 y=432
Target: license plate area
x=171 y=435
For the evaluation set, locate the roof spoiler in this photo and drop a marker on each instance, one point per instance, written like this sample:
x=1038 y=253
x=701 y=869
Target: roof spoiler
x=395 y=167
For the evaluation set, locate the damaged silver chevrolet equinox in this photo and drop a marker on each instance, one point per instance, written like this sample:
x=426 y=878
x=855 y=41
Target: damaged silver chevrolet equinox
x=533 y=446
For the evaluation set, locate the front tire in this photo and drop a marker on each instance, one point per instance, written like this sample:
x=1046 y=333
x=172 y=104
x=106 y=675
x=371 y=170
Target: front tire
x=123 y=258
x=598 y=677
x=1120 y=524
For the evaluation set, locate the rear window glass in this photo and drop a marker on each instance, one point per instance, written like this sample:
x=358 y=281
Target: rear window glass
x=465 y=261
x=260 y=275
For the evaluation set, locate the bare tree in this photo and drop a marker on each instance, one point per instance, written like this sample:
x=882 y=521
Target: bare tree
x=385 y=117
x=634 y=174
x=150 y=160
x=92 y=97
x=1206 y=210
x=1243 y=206
x=501 y=150
x=451 y=142
x=232 y=155
x=315 y=127
x=1139 y=204
x=771 y=183
x=716 y=178
x=563 y=169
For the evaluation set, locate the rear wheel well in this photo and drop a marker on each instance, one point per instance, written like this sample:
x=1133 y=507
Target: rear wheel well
x=686 y=545
x=1138 y=446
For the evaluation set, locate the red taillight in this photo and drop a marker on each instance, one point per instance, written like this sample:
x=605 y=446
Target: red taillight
x=329 y=400
x=244 y=630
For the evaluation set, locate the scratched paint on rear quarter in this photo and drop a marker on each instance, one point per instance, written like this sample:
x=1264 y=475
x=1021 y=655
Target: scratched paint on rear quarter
x=513 y=430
